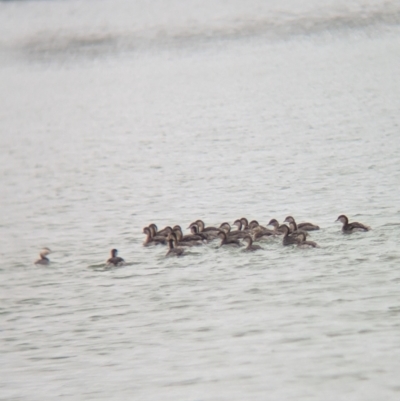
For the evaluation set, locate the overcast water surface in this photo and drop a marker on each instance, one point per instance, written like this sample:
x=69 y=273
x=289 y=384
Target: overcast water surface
x=118 y=114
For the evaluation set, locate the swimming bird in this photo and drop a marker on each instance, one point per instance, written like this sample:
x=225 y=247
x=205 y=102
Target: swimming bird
x=256 y=225
x=238 y=224
x=209 y=235
x=173 y=250
x=242 y=224
x=241 y=232
x=349 y=228
x=260 y=231
x=302 y=243
x=153 y=227
x=225 y=240
x=189 y=237
x=202 y=229
x=115 y=260
x=226 y=228
x=210 y=232
x=151 y=239
x=43 y=259
x=274 y=223
x=181 y=241
x=250 y=247
x=294 y=231
x=287 y=238
x=164 y=232
x=301 y=226
x=253 y=224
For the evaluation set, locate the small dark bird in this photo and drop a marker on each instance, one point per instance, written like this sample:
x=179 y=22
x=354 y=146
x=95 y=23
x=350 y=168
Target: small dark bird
x=173 y=250
x=228 y=241
x=349 y=228
x=302 y=243
x=274 y=223
x=287 y=238
x=250 y=247
x=43 y=259
x=115 y=260
x=301 y=226
x=152 y=238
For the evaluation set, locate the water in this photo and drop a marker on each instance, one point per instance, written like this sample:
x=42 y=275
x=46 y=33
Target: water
x=115 y=115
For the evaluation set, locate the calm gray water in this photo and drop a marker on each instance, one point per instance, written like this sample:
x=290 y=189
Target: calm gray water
x=116 y=114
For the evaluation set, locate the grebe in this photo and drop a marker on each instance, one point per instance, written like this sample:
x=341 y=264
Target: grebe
x=301 y=226
x=181 y=241
x=250 y=247
x=302 y=243
x=164 y=232
x=260 y=231
x=287 y=239
x=253 y=224
x=173 y=250
x=209 y=235
x=151 y=239
x=190 y=237
x=226 y=228
x=242 y=224
x=115 y=260
x=202 y=228
x=349 y=228
x=225 y=240
x=210 y=232
x=274 y=223
x=43 y=259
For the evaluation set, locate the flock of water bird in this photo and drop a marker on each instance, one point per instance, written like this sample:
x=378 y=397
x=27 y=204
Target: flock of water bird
x=245 y=233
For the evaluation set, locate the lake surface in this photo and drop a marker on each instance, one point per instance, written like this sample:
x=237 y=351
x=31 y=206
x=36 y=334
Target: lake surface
x=118 y=114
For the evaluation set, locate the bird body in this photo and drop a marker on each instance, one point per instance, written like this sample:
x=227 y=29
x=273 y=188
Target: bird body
x=43 y=257
x=250 y=247
x=349 y=228
x=115 y=260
